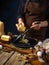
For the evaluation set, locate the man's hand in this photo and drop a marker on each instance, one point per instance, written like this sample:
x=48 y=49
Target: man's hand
x=35 y=25
x=20 y=25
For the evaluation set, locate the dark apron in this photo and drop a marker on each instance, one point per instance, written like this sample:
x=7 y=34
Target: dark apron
x=35 y=12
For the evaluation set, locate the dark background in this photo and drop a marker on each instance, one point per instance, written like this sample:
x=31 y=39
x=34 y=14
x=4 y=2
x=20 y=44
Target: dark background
x=8 y=14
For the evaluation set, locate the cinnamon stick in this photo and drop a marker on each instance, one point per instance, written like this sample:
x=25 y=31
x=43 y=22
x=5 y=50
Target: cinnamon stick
x=28 y=51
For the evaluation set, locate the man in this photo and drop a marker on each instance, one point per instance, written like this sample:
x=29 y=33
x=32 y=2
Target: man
x=33 y=14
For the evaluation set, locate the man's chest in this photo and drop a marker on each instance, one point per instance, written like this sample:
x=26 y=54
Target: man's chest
x=35 y=7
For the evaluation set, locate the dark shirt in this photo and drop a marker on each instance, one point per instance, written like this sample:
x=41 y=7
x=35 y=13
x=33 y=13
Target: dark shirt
x=21 y=9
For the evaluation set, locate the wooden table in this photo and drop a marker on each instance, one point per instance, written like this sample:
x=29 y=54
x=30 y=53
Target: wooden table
x=10 y=58
x=15 y=58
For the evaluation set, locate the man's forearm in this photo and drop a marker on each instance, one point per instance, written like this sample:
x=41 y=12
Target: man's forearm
x=44 y=24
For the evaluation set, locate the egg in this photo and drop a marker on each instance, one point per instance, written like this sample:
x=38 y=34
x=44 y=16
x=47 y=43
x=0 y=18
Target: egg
x=39 y=53
x=39 y=43
x=1 y=46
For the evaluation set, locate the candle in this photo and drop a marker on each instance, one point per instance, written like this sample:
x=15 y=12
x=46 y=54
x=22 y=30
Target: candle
x=1 y=28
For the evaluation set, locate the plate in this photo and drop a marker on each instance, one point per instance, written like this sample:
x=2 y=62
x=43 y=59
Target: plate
x=46 y=43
